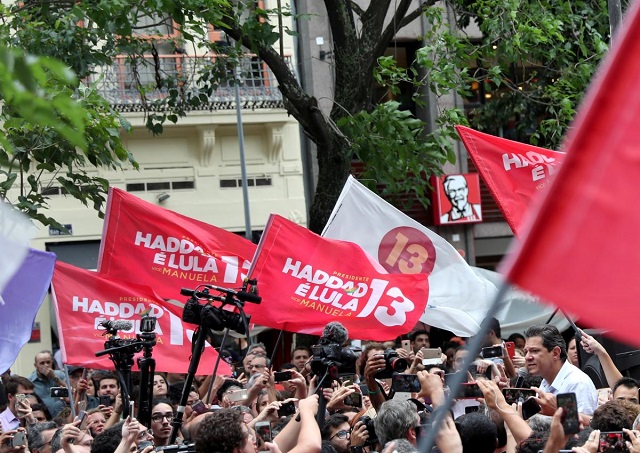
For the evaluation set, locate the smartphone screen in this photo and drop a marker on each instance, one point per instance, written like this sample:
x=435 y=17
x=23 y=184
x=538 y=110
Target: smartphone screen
x=82 y=416
x=281 y=376
x=612 y=441
x=530 y=407
x=515 y=395
x=104 y=400
x=405 y=383
x=199 y=407
x=354 y=400
x=263 y=431
x=470 y=390
x=287 y=409
x=492 y=351
x=570 y=420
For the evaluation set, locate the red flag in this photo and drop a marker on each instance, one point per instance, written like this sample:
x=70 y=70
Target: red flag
x=307 y=281
x=83 y=299
x=581 y=249
x=153 y=246
x=514 y=172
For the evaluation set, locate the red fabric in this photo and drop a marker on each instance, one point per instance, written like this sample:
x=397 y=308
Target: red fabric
x=153 y=246
x=581 y=249
x=295 y=268
x=83 y=298
x=514 y=172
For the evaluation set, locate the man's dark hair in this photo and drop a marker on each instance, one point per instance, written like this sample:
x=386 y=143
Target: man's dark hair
x=98 y=376
x=332 y=421
x=41 y=407
x=301 y=348
x=516 y=336
x=11 y=384
x=612 y=416
x=494 y=325
x=225 y=386
x=222 y=429
x=36 y=440
x=394 y=420
x=627 y=382
x=414 y=335
x=534 y=443
x=550 y=338
x=108 y=440
x=477 y=432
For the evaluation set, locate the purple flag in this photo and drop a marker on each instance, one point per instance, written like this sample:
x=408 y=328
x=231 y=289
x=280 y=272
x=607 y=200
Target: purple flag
x=20 y=301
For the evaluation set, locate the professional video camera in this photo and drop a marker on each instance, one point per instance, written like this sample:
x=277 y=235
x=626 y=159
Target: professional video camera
x=121 y=352
x=216 y=318
x=393 y=364
x=329 y=355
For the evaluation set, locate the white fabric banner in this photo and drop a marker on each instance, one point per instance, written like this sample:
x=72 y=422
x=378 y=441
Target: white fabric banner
x=458 y=297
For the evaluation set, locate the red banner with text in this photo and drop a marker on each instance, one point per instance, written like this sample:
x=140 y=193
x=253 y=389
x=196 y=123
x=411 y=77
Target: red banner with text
x=514 y=172
x=83 y=299
x=307 y=281
x=166 y=250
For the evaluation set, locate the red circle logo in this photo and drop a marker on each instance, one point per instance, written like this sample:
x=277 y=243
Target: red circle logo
x=407 y=250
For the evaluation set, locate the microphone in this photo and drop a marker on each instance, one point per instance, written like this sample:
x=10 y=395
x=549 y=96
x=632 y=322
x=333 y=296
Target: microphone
x=334 y=332
x=117 y=325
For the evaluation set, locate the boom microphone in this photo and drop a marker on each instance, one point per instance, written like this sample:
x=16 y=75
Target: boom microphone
x=334 y=332
x=117 y=325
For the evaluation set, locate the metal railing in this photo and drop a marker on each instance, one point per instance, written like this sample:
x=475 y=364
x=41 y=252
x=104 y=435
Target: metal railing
x=132 y=85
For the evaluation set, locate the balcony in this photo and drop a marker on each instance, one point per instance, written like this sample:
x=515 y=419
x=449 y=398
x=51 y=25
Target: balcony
x=117 y=83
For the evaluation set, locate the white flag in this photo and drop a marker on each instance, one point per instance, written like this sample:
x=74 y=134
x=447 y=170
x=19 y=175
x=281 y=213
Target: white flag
x=16 y=230
x=458 y=298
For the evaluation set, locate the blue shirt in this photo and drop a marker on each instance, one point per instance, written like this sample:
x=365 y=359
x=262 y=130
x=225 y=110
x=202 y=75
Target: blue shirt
x=42 y=387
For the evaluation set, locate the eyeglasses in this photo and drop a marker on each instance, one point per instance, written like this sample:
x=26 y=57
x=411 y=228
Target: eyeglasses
x=257 y=367
x=342 y=434
x=159 y=417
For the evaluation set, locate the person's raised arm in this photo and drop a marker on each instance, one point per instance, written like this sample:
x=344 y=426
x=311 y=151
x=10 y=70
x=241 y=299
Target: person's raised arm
x=309 y=439
x=494 y=399
x=592 y=346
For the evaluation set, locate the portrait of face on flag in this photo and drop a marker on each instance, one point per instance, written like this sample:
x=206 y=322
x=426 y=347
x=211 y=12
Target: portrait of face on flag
x=458 y=298
x=514 y=172
x=307 y=281
x=457 y=199
x=167 y=250
x=84 y=299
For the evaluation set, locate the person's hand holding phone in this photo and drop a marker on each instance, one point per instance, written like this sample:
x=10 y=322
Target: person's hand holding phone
x=633 y=444
x=336 y=401
x=547 y=401
x=431 y=386
x=590 y=344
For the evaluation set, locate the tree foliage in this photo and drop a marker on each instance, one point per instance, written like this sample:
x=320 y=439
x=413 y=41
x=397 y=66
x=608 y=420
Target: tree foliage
x=55 y=130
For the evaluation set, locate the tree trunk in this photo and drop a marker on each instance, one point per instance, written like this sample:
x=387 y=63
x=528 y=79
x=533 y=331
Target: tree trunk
x=334 y=167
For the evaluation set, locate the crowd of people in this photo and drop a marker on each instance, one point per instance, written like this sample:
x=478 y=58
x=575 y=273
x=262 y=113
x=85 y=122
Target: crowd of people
x=382 y=399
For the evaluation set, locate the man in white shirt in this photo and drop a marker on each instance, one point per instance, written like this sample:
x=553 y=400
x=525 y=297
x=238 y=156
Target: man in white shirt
x=546 y=356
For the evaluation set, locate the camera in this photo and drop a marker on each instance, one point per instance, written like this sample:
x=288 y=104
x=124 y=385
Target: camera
x=212 y=317
x=371 y=429
x=393 y=364
x=326 y=356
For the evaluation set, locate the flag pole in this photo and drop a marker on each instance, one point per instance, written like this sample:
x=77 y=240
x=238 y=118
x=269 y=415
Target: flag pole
x=426 y=443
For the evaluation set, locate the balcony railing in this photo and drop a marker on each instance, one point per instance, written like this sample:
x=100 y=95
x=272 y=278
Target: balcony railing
x=120 y=83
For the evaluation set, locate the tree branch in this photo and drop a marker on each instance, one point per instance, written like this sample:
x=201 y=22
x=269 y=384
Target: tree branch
x=357 y=9
x=401 y=19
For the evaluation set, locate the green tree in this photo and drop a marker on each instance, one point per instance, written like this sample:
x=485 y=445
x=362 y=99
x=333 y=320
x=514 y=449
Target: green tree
x=55 y=130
